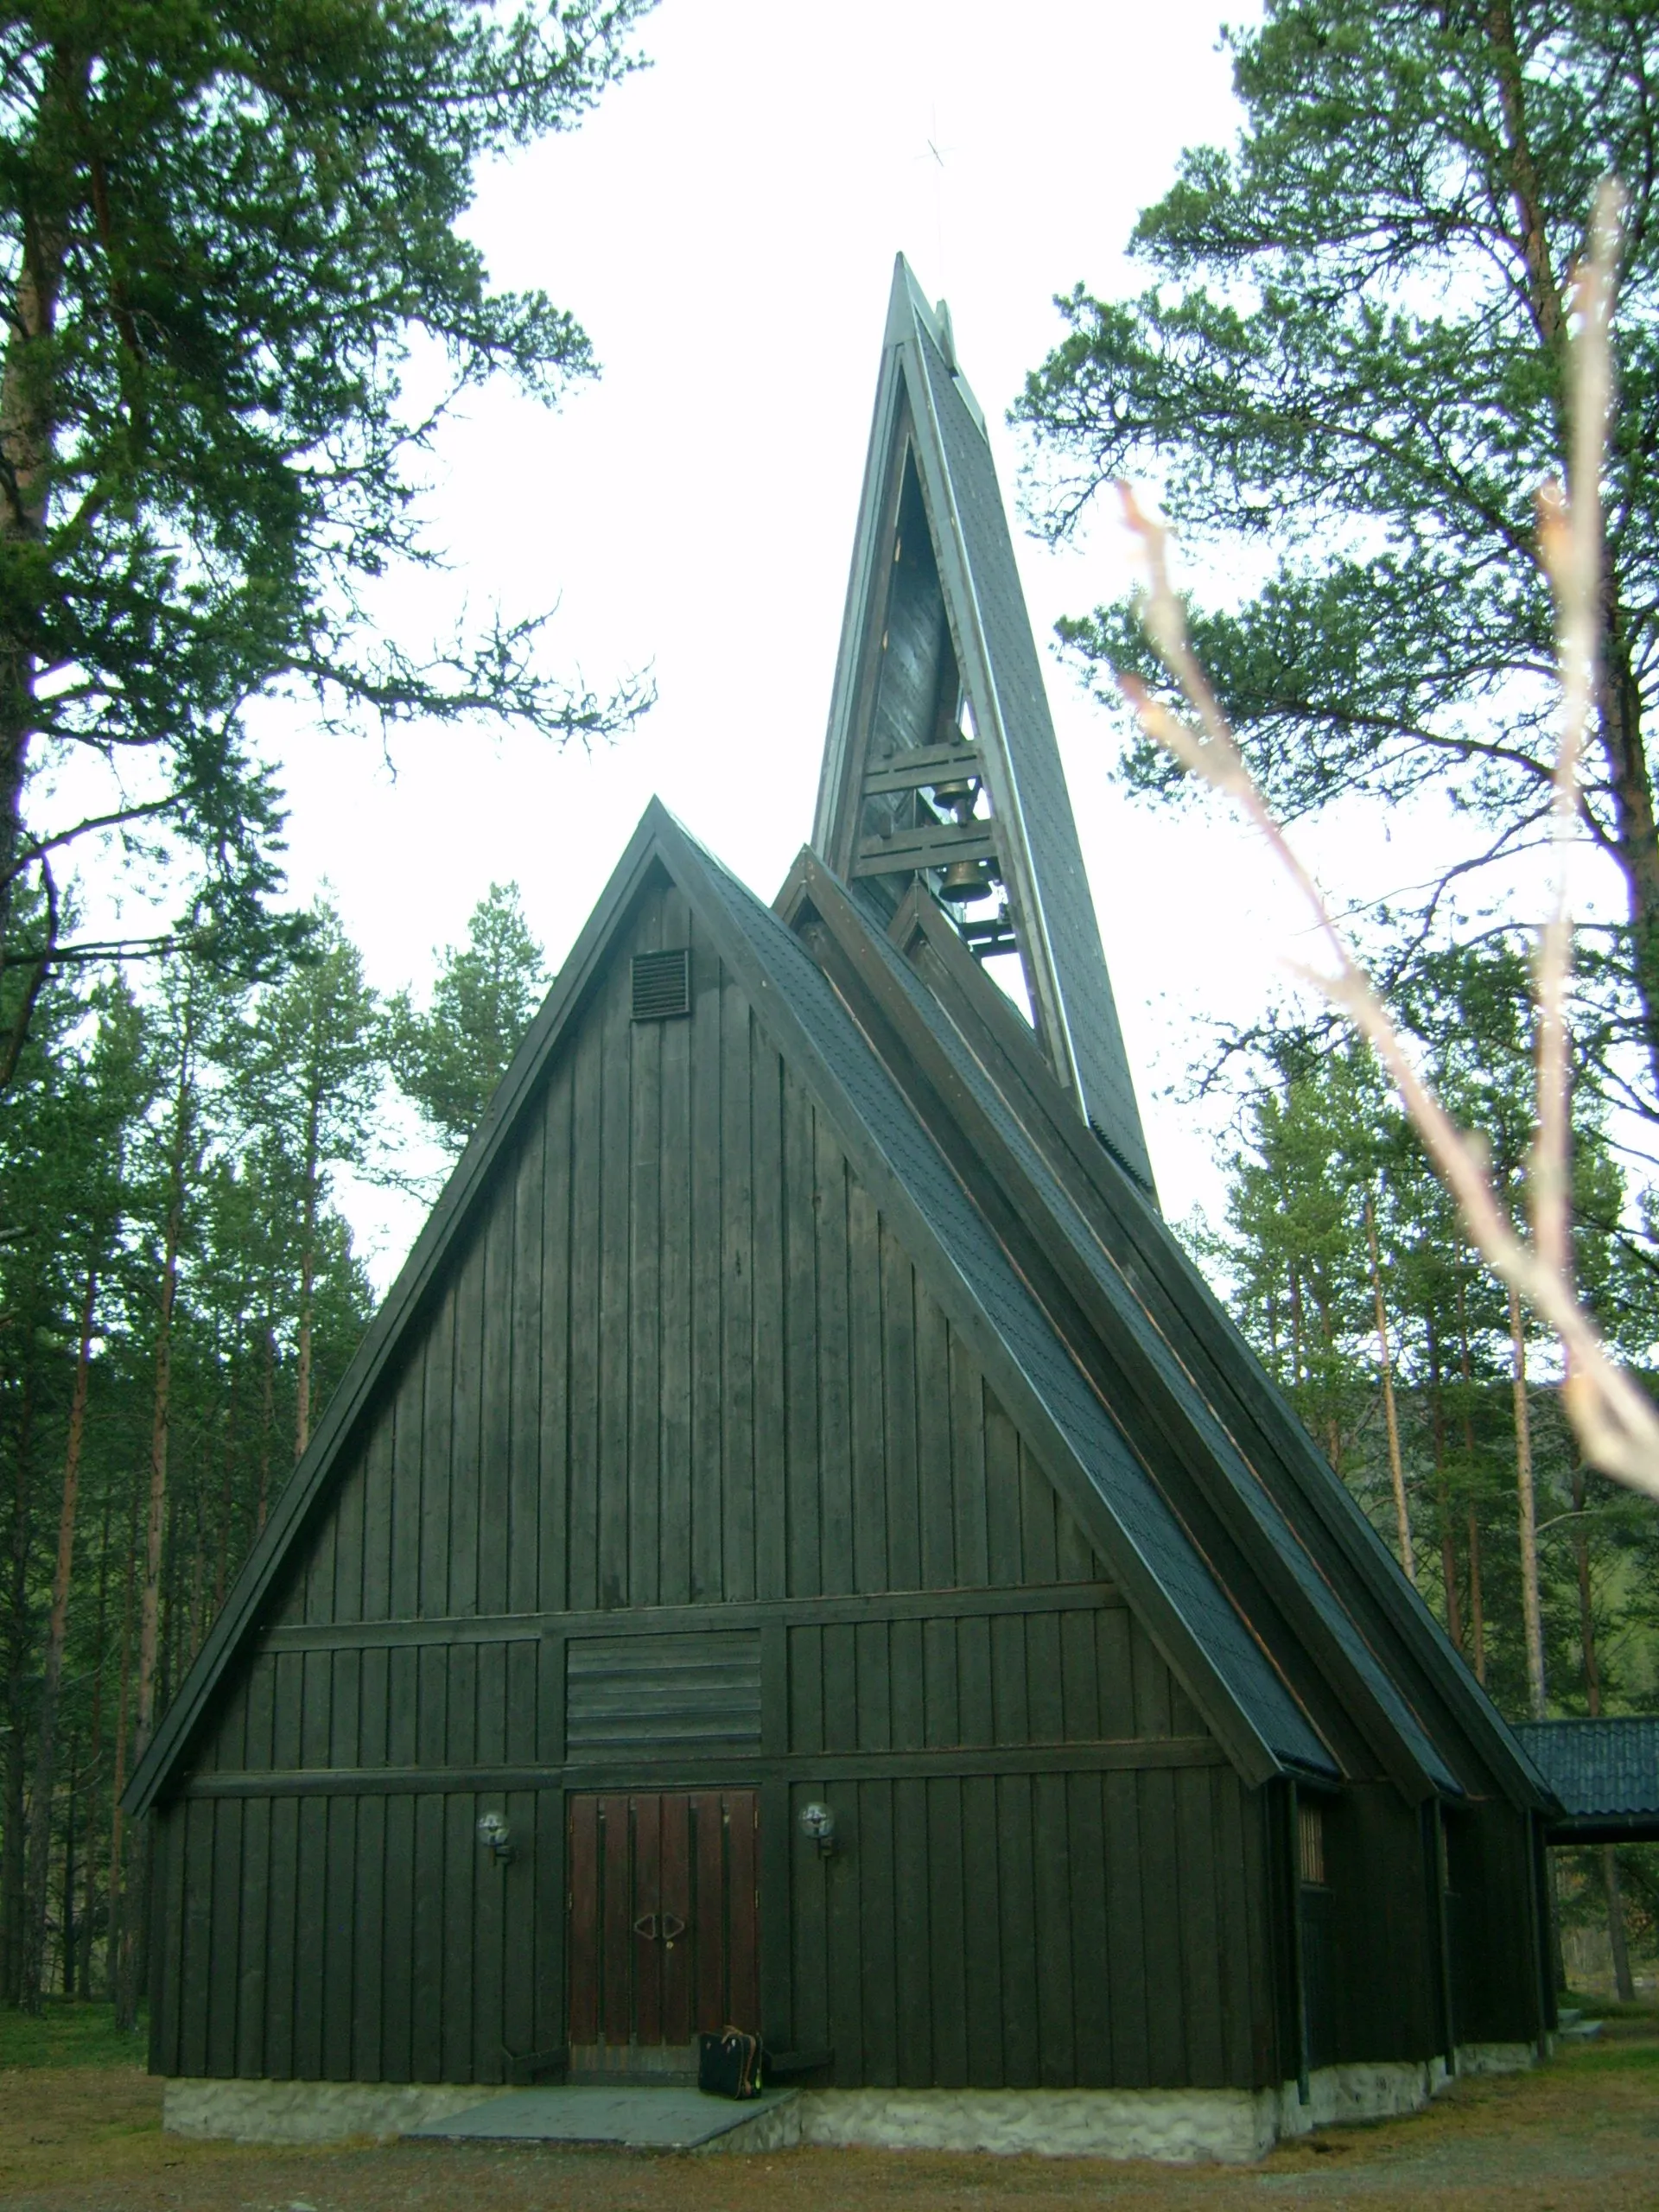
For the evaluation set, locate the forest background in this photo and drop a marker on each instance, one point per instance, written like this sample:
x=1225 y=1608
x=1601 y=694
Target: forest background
x=179 y=1289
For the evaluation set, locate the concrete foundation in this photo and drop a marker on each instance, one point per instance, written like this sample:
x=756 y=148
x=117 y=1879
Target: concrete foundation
x=1181 y=2126
x=309 y=2112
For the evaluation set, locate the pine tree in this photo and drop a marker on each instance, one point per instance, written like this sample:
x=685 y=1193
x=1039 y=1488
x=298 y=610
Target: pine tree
x=222 y=231
x=1350 y=370
x=450 y=1058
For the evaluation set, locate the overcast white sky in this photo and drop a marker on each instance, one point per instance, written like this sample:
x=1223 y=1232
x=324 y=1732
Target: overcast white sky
x=725 y=226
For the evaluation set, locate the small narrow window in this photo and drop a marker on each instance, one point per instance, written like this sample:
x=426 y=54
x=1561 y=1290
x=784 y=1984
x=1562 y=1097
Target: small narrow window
x=662 y=985
x=1310 y=1826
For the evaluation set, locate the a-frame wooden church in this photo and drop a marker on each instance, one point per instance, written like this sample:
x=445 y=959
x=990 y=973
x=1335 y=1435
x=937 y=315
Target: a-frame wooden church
x=801 y=1546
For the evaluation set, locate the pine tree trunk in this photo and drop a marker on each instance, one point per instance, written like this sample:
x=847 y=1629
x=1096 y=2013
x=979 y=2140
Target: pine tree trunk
x=94 y=1761
x=69 y=1935
x=1626 y=776
x=12 y=1808
x=1532 y=1610
x=1390 y=1414
x=307 y=1271
x=25 y=461
x=117 y=1818
x=226 y=1488
x=1477 y=1607
x=155 y=1519
x=1624 y=1982
x=267 y=1424
x=39 y=1823
x=1618 y=1942
x=1443 y=1496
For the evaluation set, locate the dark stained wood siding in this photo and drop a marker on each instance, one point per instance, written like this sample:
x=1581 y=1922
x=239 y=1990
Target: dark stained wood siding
x=680 y=1362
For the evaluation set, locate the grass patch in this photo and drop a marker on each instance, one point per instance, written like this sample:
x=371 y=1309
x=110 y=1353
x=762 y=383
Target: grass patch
x=1615 y=2057
x=69 y=2033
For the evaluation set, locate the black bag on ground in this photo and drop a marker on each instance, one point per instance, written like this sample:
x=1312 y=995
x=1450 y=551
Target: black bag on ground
x=728 y=2064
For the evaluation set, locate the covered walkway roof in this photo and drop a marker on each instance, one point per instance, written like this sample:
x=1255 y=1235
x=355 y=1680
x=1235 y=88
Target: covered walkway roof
x=1604 y=1773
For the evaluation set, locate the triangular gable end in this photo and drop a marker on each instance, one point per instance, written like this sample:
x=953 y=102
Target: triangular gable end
x=739 y=929
x=941 y=761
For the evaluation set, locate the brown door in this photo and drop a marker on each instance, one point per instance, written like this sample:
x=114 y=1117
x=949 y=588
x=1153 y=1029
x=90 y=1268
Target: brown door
x=662 y=1923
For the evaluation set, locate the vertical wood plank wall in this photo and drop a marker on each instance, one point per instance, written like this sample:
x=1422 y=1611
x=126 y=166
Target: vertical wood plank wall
x=679 y=1358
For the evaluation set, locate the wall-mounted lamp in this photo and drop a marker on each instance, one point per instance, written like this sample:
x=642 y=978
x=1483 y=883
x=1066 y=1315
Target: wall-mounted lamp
x=496 y=1837
x=818 y=1823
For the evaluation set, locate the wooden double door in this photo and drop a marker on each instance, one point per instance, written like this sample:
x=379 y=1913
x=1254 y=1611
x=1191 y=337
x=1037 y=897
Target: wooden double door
x=662 y=1935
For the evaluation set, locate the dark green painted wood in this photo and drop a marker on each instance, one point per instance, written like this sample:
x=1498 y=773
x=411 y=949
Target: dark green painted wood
x=224 y=1875
x=682 y=1372
x=675 y=1184
x=872 y=1694
x=645 y=1236
x=586 y=1111
x=377 y=1509
x=737 y=1466
x=936 y=1501
x=545 y=1950
x=467 y=1499
x=311 y=1936
x=612 y=1191
x=878 y=1965
x=801 y=1201
x=557 y=1347
x=195 y=1849
x=343 y=1937
x=246 y=2053
x=398 y=1980
x=428 y=1996
x=1162 y=1905
x=1126 y=1864
x=1203 y=1995
x=914 y=1935
x=811 y=1876
x=368 y=1874
x=524 y=1628
x=1054 y=1879
x=495 y=1484
x=459 y=2054
x=279 y=1952
x=947 y=1905
x=844 y=1937
x=1016 y=1895
x=519 y=1390
x=768 y=1489
x=1094 y=1978
x=620 y=1769
x=404 y=1595
x=830 y=1201
x=776 y=1900
x=704 y=1224
x=982 y=1932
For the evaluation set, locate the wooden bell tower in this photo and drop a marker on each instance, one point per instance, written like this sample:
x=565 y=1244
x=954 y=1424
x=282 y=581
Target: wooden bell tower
x=941 y=762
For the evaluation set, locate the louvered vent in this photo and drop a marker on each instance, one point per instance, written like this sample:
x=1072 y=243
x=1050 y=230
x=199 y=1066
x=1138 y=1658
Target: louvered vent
x=639 y=1693
x=662 y=985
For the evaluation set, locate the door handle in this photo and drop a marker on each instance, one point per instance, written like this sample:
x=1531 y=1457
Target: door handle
x=646 y=1926
x=673 y=1927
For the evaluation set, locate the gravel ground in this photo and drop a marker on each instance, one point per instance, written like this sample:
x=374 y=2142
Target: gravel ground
x=1579 y=2135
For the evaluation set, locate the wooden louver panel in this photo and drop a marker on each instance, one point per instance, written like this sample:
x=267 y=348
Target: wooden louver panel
x=667 y=1693
x=662 y=984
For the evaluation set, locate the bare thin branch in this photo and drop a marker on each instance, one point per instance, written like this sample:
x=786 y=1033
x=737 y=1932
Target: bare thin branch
x=1617 y=1423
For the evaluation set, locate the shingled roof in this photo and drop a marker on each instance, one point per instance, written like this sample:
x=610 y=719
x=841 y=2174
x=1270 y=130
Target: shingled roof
x=1605 y=1774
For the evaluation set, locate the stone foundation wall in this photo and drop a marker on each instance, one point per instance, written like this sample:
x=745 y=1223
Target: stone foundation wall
x=309 y=2112
x=1179 y=2126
